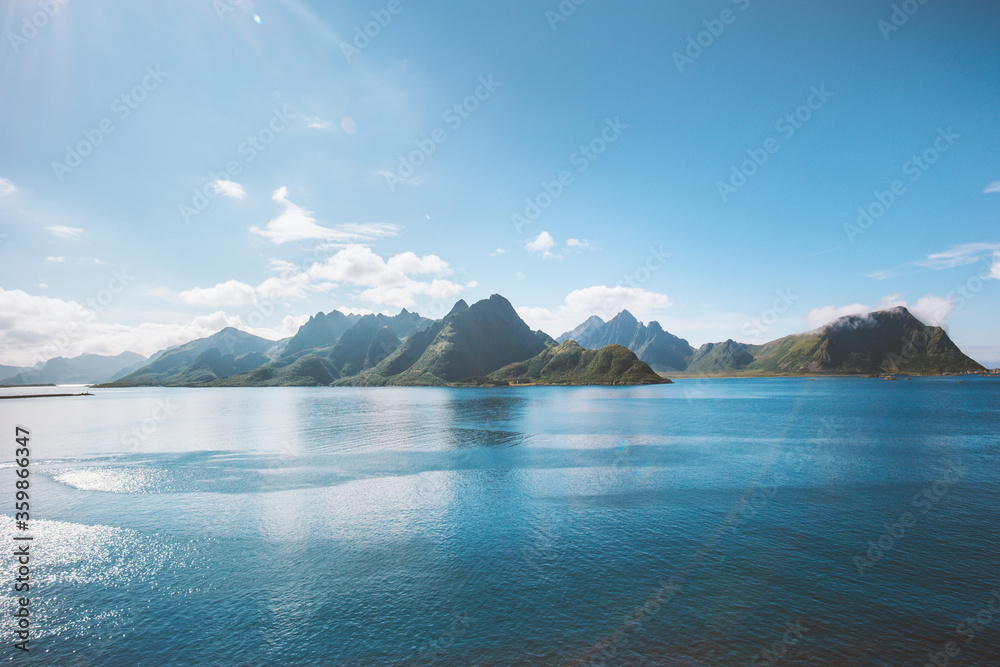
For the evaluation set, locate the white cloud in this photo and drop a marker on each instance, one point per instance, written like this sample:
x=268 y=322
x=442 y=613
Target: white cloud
x=228 y=189
x=7 y=188
x=955 y=256
x=497 y=252
x=995 y=270
x=298 y=224
x=885 y=274
x=817 y=317
x=408 y=262
x=543 y=243
x=391 y=282
x=318 y=123
x=579 y=244
x=929 y=309
x=288 y=287
x=287 y=327
x=37 y=328
x=609 y=301
x=388 y=282
x=600 y=300
x=64 y=232
x=959 y=255
x=933 y=310
x=992 y=187
x=55 y=260
x=229 y=293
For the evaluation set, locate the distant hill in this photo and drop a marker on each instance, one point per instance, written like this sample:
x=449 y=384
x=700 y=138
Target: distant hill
x=470 y=342
x=887 y=341
x=569 y=364
x=663 y=351
x=84 y=369
x=8 y=371
x=222 y=354
x=591 y=327
x=720 y=357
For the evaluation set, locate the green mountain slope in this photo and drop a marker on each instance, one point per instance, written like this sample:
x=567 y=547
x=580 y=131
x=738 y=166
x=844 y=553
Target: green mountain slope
x=222 y=354
x=887 y=341
x=470 y=342
x=569 y=364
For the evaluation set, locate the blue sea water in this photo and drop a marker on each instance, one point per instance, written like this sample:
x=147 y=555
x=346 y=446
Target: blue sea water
x=708 y=522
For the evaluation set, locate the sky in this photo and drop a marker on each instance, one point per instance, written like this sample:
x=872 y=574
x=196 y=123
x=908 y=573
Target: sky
x=730 y=169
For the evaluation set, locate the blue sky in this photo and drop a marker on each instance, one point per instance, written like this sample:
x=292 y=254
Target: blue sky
x=702 y=165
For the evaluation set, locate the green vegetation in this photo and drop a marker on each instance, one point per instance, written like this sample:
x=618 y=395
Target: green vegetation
x=570 y=364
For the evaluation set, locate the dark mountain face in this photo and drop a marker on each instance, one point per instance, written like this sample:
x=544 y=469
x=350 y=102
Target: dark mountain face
x=366 y=340
x=84 y=369
x=485 y=337
x=471 y=341
x=661 y=350
x=322 y=330
x=382 y=345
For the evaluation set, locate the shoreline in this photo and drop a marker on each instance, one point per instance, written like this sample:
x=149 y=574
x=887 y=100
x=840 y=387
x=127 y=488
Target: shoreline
x=86 y=393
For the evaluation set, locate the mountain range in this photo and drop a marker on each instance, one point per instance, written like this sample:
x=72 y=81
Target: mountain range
x=84 y=369
x=488 y=344
x=886 y=341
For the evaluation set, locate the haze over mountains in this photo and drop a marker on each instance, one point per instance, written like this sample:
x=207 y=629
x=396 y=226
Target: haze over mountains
x=488 y=343
x=84 y=369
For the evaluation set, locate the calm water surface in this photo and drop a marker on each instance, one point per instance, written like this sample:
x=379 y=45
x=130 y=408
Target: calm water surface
x=685 y=524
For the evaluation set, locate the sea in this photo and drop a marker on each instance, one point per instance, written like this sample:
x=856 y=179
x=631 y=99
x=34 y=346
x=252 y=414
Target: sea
x=749 y=521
